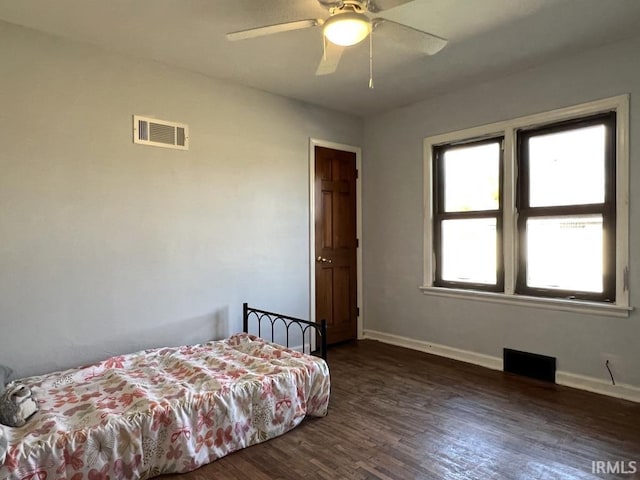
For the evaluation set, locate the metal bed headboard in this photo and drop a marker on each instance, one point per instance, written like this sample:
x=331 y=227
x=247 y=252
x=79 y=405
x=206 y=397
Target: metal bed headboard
x=305 y=327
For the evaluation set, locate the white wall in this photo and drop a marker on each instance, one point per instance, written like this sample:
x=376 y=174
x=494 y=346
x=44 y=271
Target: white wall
x=108 y=247
x=393 y=198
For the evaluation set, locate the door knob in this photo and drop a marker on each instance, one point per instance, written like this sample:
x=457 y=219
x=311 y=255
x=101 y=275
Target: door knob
x=323 y=260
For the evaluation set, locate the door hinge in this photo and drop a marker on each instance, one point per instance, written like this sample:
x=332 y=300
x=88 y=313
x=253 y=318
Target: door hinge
x=357 y=311
x=357 y=174
x=357 y=243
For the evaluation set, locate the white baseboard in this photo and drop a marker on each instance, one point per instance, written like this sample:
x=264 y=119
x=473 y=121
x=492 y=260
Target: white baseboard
x=487 y=361
x=581 y=382
x=595 y=385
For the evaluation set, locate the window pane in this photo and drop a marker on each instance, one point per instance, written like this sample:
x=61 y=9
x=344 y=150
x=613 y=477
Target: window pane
x=565 y=253
x=469 y=250
x=567 y=168
x=472 y=178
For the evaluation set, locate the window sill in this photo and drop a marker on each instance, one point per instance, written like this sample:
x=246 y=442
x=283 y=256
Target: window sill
x=578 y=306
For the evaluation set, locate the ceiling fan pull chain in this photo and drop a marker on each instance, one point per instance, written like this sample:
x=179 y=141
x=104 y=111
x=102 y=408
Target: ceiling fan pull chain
x=371 y=59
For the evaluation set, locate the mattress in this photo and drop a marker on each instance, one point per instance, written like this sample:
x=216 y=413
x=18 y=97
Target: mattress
x=168 y=410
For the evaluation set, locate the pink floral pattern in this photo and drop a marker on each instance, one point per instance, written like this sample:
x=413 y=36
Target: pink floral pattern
x=167 y=410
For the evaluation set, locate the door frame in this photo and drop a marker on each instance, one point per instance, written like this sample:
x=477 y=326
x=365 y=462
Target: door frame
x=315 y=142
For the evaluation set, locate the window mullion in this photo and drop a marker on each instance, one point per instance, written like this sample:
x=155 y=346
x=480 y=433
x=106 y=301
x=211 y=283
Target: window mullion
x=472 y=214
x=509 y=215
x=566 y=210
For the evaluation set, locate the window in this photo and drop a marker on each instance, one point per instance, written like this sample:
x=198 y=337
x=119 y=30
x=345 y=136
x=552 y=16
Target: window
x=567 y=209
x=532 y=210
x=468 y=215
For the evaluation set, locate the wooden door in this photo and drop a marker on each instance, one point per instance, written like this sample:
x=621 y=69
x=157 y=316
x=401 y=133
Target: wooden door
x=336 y=243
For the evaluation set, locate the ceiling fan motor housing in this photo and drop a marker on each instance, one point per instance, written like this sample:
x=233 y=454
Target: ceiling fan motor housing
x=347 y=28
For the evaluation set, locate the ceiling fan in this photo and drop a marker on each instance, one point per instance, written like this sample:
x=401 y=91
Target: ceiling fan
x=349 y=23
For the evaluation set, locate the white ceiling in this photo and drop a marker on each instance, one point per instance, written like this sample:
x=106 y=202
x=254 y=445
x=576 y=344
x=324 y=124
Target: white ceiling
x=487 y=39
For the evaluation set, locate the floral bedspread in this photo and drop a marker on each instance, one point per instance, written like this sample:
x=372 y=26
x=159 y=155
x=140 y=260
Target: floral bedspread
x=164 y=410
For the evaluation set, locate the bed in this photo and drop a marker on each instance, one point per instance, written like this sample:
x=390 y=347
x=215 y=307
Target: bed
x=172 y=410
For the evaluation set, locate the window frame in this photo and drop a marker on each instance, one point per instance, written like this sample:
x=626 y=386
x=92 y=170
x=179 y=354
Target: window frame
x=440 y=215
x=607 y=208
x=509 y=129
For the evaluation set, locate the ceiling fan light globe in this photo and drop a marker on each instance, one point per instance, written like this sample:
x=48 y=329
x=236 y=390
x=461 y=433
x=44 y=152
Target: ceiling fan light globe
x=347 y=28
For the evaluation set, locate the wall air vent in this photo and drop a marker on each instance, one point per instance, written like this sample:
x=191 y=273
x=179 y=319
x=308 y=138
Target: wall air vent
x=530 y=365
x=160 y=133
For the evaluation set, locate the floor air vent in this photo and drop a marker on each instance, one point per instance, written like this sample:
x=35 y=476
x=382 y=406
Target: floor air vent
x=530 y=365
x=160 y=133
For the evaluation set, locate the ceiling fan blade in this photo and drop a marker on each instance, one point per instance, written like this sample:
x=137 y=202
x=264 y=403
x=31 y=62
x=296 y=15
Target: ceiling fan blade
x=331 y=3
x=375 y=6
x=331 y=58
x=408 y=36
x=270 y=29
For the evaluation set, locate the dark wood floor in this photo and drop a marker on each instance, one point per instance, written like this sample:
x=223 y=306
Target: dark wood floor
x=401 y=414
